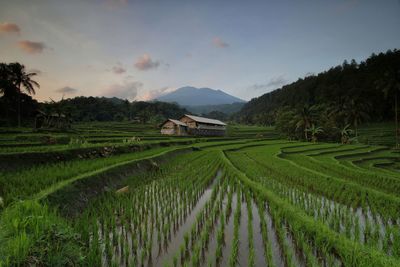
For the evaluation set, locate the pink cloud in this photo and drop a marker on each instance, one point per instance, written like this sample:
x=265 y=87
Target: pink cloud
x=67 y=90
x=154 y=94
x=218 y=42
x=118 y=69
x=126 y=90
x=31 y=47
x=146 y=63
x=9 y=28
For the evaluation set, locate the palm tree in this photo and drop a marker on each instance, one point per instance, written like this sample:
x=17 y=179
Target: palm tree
x=390 y=86
x=6 y=87
x=336 y=112
x=21 y=79
x=345 y=133
x=356 y=112
x=304 y=120
x=7 y=90
x=314 y=131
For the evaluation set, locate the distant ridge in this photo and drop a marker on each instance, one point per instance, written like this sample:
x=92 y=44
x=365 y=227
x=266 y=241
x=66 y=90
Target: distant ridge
x=227 y=109
x=192 y=96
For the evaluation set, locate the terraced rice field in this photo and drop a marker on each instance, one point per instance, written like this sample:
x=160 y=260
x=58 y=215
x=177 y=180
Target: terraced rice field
x=239 y=201
x=378 y=134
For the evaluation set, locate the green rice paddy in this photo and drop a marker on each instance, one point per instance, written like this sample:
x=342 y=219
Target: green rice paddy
x=123 y=195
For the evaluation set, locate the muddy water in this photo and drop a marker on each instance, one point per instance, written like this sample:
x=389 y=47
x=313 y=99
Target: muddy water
x=298 y=258
x=178 y=238
x=158 y=257
x=212 y=247
x=228 y=234
x=243 y=236
x=258 y=242
x=329 y=210
x=209 y=255
x=273 y=240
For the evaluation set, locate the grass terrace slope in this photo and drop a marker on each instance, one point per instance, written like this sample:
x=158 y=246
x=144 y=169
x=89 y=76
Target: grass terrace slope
x=248 y=199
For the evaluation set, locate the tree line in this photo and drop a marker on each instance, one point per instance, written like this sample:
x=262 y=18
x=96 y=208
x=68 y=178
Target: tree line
x=82 y=109
x=331 y=105
x=18 y=108
x=16 y=86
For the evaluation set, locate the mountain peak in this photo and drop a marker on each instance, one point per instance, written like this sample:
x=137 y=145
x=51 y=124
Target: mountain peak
x=192 y=96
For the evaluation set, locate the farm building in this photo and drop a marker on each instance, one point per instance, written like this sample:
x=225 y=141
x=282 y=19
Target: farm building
x=194 y=125
x=174 y=127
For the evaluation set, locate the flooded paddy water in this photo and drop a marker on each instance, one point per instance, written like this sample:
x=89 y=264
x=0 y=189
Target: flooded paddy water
x=200 y=219
x=147 y=240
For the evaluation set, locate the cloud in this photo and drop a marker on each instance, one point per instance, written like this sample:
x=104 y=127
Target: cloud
x=274 y=82
x=277 y=81
x=346 y=6
x=67 y=90
x=308 y=74
x=259 y=87
x=118 y=69
x=31 y=47
x=116 y=3
x=146 y=63
x=153 y=94
x=218 y=42
x=7 y=27
x=126 y=90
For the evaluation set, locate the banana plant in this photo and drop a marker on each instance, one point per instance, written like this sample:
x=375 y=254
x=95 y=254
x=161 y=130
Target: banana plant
x=345 y=133
x=314 y=131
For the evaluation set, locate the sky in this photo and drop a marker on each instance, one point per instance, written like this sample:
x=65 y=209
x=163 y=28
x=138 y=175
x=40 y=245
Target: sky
x=139 y=50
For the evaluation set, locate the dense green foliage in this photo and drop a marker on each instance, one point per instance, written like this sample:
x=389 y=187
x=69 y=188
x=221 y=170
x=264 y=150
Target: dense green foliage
x=227 y=109
x=33 y=235
x=349 y=94
x=16 y=84
x=218 y=115
x=17 y=106
x=114 y=109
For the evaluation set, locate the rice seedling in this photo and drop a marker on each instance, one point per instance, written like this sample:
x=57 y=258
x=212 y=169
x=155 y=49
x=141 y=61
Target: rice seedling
x=235 y=243
x=206 y=207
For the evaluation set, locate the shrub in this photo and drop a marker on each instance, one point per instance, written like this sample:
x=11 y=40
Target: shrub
x=31 y=234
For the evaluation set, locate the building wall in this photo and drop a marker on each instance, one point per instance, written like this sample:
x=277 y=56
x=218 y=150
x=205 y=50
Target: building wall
x=206 y=132
x=182 y=130
x=167 y=131
x=168 y=128
x=190 y=123
x=171 y=128
x=193 y=128
x=211 y=127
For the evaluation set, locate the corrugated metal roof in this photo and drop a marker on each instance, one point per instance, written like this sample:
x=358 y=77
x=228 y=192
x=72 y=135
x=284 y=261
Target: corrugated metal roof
x=178 y=122
x=205 y=120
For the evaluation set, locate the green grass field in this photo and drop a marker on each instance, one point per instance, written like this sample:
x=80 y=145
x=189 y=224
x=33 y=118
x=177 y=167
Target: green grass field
x=378 y=134
x=96 y=196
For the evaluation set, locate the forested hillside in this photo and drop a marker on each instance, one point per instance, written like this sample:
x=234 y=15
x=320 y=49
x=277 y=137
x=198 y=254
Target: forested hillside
x=114 y=109
x=227 y=109
x=192 y=96
x=17 y=107
x=333 y=101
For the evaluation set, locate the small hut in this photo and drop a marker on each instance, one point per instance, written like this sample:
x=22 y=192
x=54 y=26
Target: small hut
x=203 y=126
x=174 y=127
x=193 y=125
